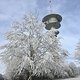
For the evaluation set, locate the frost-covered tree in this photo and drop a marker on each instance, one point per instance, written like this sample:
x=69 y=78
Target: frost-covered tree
x=33 y=52
x=77 y=51
x=74 y=69
x=77 y=55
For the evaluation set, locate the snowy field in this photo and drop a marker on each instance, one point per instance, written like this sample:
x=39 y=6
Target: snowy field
x=77 y=78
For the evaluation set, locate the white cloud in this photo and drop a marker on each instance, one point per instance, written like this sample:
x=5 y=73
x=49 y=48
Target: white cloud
x=69 y=42
x=16 y=8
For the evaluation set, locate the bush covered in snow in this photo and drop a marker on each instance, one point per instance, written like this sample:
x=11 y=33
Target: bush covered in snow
x=74 y=69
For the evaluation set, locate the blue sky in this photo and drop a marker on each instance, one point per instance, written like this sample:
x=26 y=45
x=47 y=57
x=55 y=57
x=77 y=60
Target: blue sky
x=11 y=10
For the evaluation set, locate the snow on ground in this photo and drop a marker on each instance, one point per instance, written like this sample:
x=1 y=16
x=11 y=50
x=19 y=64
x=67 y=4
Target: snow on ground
x=77 y=78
